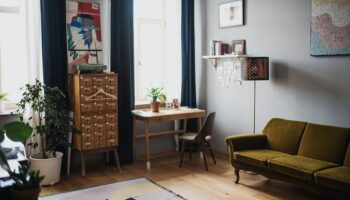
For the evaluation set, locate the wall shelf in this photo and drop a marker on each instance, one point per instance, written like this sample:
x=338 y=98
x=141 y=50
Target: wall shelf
x=213 y=58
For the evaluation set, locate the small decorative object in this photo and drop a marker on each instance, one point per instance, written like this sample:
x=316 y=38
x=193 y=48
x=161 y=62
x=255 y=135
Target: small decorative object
x=231 y=14
x=157 y=96
x=330 y=28
x=238 y=47
x=176 y=103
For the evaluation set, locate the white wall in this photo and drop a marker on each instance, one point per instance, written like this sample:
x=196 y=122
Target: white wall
x=301 y=87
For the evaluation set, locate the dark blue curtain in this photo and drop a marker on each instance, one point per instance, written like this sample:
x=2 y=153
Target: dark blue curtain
x=54 y=43
x=122 y=62
x=53 y=29
x=188 y=89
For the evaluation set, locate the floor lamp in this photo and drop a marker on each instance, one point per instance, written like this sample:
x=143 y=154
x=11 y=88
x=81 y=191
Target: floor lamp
x=255 y=69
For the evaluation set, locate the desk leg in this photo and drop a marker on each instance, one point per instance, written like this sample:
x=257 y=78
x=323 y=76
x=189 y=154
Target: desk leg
x=176 y=137
x=199 y=123
x=133 y=137
x=148 y=158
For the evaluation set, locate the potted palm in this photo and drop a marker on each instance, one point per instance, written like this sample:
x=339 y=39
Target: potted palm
x=48 y=109
x=26 y=184
x=157 y=95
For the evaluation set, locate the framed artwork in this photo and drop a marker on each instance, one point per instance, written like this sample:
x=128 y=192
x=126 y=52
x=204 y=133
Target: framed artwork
x=84 y=38
x=330 y=28
x=231 y=14
x=238 y=47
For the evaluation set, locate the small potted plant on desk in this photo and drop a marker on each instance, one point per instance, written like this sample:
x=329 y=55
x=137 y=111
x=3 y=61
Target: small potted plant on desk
x=26 y=184
x=50 y=119
x=157 y=96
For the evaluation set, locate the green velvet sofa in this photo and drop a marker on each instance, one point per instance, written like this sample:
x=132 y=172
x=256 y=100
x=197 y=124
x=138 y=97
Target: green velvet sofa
x=313 y=156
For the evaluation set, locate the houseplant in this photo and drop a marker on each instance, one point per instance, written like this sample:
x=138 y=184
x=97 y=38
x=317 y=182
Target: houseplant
x=157 y=95
x=26 y=182
x=47 y=107
x=2 y=99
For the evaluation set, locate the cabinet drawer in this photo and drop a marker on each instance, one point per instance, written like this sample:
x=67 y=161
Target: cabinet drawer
x=86 y=90
x=111 y=80
x=88 y=145
x=99 y=119
x=99 y=128
x=99 y=81
x=112 y=134
x=85 y=80
x=87 y=119
x=111 y=106
x=87 y=107
x=100 y=143
x=100 y=135
x=113 y=117
x=87 y=128
x=111 y=126
x=87 y=137
x=112 y=89
x=112 y=142
x=99 y=106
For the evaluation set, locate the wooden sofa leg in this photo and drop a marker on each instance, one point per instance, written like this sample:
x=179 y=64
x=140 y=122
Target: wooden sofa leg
x=237 y=175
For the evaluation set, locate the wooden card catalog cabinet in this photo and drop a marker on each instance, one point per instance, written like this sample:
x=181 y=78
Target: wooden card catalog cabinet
x=95 y=106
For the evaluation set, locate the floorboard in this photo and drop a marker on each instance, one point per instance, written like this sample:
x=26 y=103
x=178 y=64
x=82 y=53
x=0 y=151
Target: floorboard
x=191 y=181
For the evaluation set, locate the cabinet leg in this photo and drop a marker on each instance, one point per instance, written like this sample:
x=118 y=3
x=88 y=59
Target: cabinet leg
x=117 y=159
x=82 y=160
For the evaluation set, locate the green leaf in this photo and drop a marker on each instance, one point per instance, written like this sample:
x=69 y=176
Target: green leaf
x=18 y=131
x=1 y=136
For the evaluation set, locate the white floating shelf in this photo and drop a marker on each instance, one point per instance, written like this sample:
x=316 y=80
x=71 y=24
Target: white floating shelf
x=213 y=58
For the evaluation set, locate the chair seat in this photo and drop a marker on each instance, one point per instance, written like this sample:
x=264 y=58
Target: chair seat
x=337 y=177
x=188 y=136
x=257 y=157
x=298 y=166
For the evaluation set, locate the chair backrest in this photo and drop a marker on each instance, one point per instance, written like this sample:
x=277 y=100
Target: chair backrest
x=207 y=128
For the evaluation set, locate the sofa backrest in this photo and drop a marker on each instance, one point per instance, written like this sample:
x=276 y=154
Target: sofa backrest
x=347 y=157
x=322 y=142
x=284 y=135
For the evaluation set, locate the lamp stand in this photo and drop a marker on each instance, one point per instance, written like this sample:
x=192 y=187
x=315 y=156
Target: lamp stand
x=254 y=109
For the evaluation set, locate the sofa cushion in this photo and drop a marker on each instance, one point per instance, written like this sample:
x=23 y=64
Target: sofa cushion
x=347 y=157
x=326 y=143
x=298 y=166
x=337 y=177
x=284 y=135
x=257 y=157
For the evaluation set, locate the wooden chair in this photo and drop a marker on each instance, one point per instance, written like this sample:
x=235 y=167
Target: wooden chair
x=200 y=140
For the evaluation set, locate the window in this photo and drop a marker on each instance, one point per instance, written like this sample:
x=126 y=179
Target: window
x=20 y=60
x=157 y=36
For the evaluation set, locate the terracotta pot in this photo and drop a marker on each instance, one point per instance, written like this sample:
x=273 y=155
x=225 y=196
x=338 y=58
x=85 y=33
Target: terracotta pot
x=155 y=106
x=25 y=194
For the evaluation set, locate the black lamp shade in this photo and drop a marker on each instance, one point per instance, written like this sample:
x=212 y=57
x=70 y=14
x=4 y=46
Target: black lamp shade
x=255 y=68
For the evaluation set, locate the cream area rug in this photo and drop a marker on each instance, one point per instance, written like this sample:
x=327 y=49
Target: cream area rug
x=137 y=189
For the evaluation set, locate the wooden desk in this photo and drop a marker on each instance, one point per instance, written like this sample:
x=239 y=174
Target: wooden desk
x=149 y=117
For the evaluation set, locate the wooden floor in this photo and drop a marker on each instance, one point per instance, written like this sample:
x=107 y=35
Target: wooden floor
x=191 y=181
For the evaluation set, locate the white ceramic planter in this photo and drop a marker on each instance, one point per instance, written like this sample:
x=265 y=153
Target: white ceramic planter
x=50 y=168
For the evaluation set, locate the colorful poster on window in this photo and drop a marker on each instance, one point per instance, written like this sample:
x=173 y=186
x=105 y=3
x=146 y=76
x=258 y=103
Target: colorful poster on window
x=84 y=39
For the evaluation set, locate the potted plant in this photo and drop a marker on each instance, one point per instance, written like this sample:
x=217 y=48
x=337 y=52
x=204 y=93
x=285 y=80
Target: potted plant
x=26 y=182
x=157 y=95
x=2 y=99
x=50 y=119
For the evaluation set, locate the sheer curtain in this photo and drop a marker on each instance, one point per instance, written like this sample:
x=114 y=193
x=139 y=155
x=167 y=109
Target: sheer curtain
x=20 y=49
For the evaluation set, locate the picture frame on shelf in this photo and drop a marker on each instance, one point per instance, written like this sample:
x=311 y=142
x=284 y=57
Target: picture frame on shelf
x=231 y=14
x=238 y=47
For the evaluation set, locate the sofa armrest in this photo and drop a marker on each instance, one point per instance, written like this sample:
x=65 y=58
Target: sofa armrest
x=246 y=142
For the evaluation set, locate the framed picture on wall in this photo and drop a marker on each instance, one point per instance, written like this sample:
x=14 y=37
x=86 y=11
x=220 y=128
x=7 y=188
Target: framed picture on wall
x=238 y=47
x=231 y=14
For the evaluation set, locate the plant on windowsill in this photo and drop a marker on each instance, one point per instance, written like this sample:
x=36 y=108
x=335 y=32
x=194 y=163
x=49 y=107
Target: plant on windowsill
x=2 y=99
x=48 y=111
x=157 y=95
x=26 y=184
